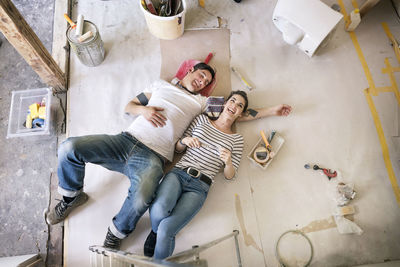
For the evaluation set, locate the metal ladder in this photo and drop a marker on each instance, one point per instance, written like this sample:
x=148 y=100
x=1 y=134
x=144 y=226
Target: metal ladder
x=104 y=257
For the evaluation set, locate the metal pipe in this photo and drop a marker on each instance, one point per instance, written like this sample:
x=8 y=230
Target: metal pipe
x=237 y=249
x=122 y=258
x=190 y=252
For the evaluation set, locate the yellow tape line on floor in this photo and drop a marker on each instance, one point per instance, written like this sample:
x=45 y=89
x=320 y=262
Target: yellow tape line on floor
x=389 y=69
x=385 y=150
x=390 y=72
x=393 y=40
x=374 y=113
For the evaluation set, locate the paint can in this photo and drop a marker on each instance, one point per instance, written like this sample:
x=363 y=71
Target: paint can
x=90 y=52
x=167 y=28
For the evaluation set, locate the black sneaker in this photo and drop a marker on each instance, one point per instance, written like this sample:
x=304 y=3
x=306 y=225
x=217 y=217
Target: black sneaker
x=150 y=244
x=112 y=241
x=62 y=209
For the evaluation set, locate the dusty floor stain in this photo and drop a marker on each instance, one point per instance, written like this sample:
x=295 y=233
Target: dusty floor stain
x=319 y=225
x=248 y=239
x=323 y=224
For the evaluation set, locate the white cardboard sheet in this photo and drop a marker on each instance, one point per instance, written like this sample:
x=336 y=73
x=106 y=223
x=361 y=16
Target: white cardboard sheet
x=331 y=125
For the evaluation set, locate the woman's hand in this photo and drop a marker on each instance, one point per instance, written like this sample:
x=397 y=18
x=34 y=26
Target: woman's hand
x=225 y=155
x=281 y=110
x=278 y=110
x=192 y=142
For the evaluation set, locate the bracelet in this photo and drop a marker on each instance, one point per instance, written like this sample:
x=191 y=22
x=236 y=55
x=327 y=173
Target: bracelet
x=180 y=142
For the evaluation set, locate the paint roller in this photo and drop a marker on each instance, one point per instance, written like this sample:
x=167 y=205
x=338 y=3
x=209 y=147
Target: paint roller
x=73 y=25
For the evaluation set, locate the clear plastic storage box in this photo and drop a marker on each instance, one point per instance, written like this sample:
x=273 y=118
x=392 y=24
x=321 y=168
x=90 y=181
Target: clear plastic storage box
x=20 y=108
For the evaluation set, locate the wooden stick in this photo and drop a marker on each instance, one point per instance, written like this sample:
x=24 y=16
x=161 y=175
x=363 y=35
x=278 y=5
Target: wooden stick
x=25 y=41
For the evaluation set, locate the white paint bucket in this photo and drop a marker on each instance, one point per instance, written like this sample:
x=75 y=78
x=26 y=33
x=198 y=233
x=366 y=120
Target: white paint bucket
x=167 y=28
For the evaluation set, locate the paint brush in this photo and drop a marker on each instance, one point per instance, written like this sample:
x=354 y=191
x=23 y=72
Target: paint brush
x=73 y=25
x=271 y=136
x=248 y=86
x=267 y=145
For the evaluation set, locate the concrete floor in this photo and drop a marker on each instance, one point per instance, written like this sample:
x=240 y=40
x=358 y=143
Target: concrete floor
x=26 y=164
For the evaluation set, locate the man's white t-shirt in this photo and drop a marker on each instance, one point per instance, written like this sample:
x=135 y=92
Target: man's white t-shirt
x=180 y=108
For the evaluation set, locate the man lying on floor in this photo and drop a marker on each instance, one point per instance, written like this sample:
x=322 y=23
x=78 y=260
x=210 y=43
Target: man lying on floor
x=164 y=112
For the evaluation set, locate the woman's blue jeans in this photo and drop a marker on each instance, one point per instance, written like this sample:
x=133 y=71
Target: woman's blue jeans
x=122 y=153
x=178 y=199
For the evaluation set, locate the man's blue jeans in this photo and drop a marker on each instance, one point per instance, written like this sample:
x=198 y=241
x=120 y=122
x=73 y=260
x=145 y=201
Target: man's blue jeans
x=178 y=199
x=121 y=153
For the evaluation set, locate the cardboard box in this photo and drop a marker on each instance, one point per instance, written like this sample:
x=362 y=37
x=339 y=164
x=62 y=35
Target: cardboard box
x=276 y=145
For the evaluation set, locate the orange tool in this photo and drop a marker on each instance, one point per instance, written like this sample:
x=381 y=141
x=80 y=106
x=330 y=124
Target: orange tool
x=73 y=25
x=267 y=145
x=328 y=172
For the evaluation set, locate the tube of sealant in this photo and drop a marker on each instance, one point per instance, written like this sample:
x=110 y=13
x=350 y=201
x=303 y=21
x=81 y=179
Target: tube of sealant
x=86 y=36
x=245 y=83
x=79 y=26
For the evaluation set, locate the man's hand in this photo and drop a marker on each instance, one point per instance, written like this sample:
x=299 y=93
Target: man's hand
x=192 y=142
x=281 y=110
x=153 y=115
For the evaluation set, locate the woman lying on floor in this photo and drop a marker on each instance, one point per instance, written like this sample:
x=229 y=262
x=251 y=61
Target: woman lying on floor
x=182 y=192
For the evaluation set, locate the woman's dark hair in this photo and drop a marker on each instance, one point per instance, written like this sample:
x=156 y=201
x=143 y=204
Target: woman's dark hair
x=204 y=66
x=243 y=94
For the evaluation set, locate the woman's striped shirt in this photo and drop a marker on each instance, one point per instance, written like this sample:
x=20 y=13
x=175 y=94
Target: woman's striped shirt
x=206 y=158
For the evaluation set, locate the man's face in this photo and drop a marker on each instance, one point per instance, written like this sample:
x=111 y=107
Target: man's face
x=197 y=80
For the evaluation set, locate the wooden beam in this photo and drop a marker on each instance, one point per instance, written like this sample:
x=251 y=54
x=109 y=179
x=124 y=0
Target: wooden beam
x=367 y=6
x=25 y=41
x=60 y=51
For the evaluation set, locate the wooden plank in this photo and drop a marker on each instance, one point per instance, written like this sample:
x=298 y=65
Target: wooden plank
x=25 y=41
x=55 y=245
x=60 y=51
x=367 y=6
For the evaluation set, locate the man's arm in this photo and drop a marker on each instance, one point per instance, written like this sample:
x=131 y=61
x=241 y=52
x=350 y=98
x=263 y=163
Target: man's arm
x=254 y=114
x=138 y=106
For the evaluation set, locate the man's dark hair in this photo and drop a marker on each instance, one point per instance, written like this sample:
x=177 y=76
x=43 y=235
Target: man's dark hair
x=243 y=94
x=204 y=66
